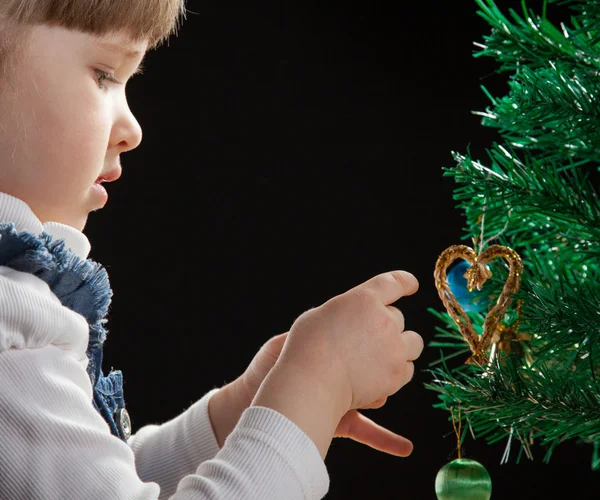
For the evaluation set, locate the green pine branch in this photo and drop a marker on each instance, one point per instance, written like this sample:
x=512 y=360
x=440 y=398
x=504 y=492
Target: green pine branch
x=586 y=19
x=539 y=404
x=560 y=311
x=541 y=204
x=553 y=111
x=531 y=40
x=536 y=197
x=557 y=397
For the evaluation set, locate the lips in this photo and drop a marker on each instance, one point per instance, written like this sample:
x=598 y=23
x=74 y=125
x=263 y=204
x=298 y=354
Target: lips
x=110 y=176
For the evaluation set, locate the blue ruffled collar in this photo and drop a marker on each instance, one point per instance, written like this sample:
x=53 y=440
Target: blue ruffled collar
x=82 y=285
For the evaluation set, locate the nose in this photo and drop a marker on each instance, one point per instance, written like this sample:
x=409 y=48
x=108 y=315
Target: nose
x=126 y=132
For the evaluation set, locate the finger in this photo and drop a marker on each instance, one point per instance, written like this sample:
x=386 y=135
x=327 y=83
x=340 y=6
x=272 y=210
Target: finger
x=375 y=404
x=266 y=358
x=392 y=285
x=397 y=313
x=409 y=372
x=414 y=344
x=275 y=344
x=361 y=429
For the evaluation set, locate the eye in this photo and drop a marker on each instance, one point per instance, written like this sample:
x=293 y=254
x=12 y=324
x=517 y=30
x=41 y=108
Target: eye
x=101 y=76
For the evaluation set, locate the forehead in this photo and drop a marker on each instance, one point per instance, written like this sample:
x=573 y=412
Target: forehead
x=122 y=44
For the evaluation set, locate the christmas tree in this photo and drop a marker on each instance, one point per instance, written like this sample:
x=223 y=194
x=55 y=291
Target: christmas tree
x=535 y=381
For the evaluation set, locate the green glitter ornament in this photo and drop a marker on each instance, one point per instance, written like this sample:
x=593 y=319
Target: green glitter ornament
x=463 y=479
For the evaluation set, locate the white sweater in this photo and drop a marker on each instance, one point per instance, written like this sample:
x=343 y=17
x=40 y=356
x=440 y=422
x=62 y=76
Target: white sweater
x=55 y=445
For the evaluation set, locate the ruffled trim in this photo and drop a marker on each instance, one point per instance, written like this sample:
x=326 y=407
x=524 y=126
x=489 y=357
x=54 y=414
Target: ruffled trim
x=80 y=285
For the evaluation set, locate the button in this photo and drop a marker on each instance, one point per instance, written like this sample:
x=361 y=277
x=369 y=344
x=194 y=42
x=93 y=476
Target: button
x=124 y=423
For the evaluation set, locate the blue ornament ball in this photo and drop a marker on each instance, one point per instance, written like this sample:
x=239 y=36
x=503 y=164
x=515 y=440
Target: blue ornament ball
x=475 y=301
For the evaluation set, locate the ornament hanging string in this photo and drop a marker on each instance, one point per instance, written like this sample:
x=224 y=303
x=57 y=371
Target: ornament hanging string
x=457 y=430
x=491 y=238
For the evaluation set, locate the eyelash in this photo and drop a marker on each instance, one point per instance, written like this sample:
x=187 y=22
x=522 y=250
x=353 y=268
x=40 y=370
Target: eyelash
x=103 y=75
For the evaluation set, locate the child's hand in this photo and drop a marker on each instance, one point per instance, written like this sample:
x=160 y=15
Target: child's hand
x=353 y=425
x=241 y=392
x=356 y=343
x=227 y=405
x=346 y=354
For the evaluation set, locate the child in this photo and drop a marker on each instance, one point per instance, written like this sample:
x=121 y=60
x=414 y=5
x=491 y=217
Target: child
x=64 y=430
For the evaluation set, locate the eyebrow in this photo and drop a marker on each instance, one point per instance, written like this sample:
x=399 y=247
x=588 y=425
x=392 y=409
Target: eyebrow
x=130 y=54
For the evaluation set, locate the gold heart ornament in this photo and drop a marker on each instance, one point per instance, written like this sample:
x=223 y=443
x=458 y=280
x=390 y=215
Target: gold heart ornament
x=477 y=275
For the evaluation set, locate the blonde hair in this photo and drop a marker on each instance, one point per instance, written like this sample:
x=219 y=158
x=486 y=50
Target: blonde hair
x=151 y=20
x=143 y=20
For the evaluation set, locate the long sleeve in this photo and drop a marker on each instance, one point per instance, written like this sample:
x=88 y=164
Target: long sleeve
x=166 y=453
x=55 y=445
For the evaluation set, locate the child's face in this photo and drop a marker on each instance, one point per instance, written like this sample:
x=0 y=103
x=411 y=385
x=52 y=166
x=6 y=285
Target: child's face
x=65 y=124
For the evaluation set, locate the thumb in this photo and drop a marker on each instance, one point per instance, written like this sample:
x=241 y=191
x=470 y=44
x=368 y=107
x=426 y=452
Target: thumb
x=356 y=426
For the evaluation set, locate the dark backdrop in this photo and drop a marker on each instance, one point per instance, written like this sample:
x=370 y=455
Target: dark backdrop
x=292 y=151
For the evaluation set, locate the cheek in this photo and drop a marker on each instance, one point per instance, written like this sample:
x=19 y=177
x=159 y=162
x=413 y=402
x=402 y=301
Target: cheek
x=57 y=134
x=82 y=125
x=74 y=132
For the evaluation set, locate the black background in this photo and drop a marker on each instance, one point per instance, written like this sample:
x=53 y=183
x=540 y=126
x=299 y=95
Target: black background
x=292 y=151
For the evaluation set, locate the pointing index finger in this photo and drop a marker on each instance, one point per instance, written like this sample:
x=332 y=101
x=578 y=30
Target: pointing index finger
x=393 y=285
